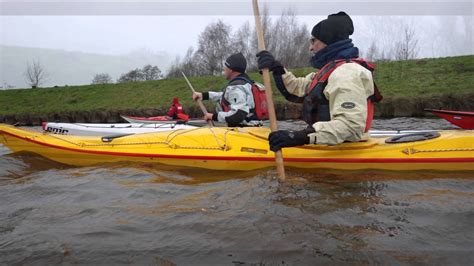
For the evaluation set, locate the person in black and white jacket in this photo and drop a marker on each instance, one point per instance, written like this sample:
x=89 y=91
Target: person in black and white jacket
x=236 y=103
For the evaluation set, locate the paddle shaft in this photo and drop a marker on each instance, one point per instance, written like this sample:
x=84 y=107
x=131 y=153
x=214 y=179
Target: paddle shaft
x=268 y=90
x=199 y=101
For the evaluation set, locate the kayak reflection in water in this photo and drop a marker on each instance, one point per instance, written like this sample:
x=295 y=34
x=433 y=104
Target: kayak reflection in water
x=338 y=99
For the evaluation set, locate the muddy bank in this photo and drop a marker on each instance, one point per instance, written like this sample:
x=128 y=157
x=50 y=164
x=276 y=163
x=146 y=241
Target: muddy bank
x=390 y=107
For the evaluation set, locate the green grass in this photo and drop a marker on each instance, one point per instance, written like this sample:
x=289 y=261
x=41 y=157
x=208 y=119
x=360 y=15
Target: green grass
x=427 y=76
x=408 y=78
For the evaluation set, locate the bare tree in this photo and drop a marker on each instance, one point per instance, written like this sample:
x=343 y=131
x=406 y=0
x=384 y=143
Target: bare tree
x=213 y=47
x=175 y=68
x=102 y=78
x=286 y=38
x=6 y=86
x=132 y=76
x=242 y=42
x=151 y=72
x=372 y=53
x=35 y=74
x=290 y=40
x=407 y=47
x=266 y=28
x=386 y=30
x=191 y=65
x=194 y=64
x=457 y=36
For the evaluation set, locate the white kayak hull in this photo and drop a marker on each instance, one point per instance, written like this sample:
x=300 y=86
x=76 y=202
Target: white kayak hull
x=155 y=120
x=390 y=133
x=86 y=129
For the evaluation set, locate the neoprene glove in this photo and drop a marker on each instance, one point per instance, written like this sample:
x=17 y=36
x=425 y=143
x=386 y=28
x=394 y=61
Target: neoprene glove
x=285 y=138
x=266 y=60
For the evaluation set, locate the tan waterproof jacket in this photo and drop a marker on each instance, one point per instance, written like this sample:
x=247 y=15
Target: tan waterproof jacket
x=347 y=90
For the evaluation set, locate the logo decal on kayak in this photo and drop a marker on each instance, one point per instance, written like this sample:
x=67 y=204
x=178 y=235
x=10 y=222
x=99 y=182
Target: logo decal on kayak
x=58 y=131
x=348 y=105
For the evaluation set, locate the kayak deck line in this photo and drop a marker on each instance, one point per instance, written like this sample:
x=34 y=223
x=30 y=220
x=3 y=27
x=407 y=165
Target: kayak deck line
x=167 y=142
x=413 y=151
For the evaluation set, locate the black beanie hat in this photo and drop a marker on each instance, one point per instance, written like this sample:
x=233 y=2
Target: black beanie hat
x=335 y=28
x=236 y=62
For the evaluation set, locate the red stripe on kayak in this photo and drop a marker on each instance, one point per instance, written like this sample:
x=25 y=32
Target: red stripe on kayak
x=238 y=158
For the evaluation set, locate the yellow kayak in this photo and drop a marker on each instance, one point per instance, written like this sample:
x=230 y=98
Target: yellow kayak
x=245 y=149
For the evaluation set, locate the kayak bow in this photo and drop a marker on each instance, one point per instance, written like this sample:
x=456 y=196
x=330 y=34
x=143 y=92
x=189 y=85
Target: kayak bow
x=464 y=120
x=86 y=129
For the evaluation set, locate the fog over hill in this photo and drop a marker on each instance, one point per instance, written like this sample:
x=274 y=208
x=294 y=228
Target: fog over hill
x=70 y=67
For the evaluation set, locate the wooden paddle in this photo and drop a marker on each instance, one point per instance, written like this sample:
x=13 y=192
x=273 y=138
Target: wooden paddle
x=268 y=90
x=201 y=105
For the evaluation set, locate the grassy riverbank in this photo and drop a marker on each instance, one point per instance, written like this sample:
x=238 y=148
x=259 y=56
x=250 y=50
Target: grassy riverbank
x=413 y=79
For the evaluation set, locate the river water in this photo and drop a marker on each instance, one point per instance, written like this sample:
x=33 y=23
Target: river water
x=143 y=215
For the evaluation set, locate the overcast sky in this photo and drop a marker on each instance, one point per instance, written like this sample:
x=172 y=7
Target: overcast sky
x=119 y=27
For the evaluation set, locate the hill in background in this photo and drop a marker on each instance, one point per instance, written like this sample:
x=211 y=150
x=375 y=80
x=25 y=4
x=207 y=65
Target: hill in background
x=71 y=68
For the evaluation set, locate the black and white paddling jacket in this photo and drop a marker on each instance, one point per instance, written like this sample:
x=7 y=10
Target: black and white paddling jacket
x=236 y=104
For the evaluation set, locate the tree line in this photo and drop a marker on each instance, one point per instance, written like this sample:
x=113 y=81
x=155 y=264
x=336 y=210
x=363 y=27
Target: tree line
x=285 y=37
x=148 y=72
x=36 y=75
x=392 y=39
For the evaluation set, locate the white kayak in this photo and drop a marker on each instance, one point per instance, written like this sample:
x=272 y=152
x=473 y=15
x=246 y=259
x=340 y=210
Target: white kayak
x=78 y=129
x=85 y=129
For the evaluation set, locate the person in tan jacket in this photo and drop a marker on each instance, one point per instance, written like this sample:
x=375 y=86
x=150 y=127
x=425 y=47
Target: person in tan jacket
x=337 y=100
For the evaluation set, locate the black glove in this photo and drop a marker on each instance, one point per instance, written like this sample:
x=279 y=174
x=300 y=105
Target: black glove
x=266 y=60
x=285 y=138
